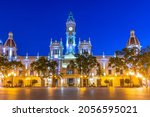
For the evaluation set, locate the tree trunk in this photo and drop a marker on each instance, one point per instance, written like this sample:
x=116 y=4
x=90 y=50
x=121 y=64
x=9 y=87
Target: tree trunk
x=42 y=82
x=53 y=82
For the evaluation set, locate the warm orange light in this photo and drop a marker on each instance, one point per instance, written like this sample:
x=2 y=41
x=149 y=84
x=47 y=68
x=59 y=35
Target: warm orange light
x=139 y=75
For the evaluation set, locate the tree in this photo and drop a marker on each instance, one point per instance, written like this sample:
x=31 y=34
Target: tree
x=126 y=60
x=84 y=64
x=14 y=66
x=41 y=67
x=20 y=83
x=144 y=64
x=53 y=65
x=4 y=65
x=45 y=68
x=9 y=66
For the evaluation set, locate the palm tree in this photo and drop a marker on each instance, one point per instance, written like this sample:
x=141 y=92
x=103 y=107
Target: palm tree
x=52 y=66
x=100 y=72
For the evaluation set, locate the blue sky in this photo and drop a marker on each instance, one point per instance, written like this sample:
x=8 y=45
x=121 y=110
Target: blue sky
x=106 y=22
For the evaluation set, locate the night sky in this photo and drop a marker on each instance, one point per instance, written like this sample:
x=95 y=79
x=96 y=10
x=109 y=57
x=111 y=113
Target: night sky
x=106 y=22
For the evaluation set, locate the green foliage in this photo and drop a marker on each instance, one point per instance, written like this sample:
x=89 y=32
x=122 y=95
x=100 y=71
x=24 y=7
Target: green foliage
x=6 y=66
x=84 y=64
x=125 y=59
x=45 y=68
x=144 y=63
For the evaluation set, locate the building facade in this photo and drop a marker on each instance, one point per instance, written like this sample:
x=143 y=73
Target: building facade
x=70 y=77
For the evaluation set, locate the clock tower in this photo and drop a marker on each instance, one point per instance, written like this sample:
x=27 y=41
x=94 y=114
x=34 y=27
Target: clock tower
x=70 y=35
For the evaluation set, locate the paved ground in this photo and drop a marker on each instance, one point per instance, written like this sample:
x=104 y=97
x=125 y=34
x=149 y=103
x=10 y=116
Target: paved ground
x=73 y=93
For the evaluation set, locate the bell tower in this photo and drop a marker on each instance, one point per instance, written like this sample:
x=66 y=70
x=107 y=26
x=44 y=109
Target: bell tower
x=70 y=35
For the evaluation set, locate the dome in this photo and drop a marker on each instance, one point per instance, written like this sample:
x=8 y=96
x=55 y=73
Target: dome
x=133 y=40
x=10 y=42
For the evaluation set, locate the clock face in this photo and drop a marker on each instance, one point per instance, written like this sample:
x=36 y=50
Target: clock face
x=70 y=28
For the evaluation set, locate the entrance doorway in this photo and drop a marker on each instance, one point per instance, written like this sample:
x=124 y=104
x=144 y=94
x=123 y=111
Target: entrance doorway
x=98 y=82
x=111 y=82
x=70 y=82
x=85 y=82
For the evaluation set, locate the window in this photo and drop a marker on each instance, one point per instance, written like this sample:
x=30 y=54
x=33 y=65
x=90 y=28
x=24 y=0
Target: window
x=56 y=51
x=69 y=72
x=84 y=51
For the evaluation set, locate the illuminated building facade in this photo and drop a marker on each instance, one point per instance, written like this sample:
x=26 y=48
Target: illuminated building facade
x=70 y=77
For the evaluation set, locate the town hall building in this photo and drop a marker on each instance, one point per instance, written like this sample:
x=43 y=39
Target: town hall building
x=56 y=52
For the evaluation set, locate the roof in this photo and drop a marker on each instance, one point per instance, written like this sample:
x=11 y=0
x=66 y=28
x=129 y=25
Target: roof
x=70 y=17
x=10 y=42
x=133 y=39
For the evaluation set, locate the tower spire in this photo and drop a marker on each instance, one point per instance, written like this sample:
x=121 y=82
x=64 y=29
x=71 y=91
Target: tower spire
x=89 y=40
x=79 y=40
x=37 y=55
x=132 y=33
x=27 y=55
x=114 y=54
x=10 y=35
x=70 y=17
x=103 y=55
x=70 y=35
x=51 y=41
x=61 y=40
